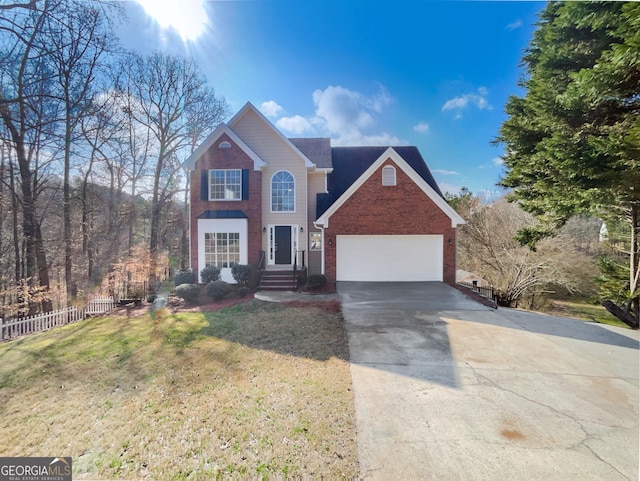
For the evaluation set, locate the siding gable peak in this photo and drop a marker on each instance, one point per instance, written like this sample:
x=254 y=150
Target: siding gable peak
x=250 y=108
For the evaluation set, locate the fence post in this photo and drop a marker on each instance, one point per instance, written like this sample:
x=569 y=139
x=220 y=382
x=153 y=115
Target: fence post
x=1 y=331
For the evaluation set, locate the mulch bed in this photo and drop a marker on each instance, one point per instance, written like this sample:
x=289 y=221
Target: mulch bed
x=175 y=304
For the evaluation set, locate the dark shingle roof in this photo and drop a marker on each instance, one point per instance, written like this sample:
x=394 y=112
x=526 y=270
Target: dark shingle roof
x=317 y=150
x=349 y=163
x=222 y=214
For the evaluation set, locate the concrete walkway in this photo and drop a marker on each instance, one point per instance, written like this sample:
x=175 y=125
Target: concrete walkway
x=288 y=296
x=448 y=389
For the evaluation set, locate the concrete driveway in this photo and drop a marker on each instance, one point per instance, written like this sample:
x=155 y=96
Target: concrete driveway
x=448 y=389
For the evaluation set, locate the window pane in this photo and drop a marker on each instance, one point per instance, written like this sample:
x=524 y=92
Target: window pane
x=222 y=249
x=225 y=184
x=315 y=240
x=282 y=192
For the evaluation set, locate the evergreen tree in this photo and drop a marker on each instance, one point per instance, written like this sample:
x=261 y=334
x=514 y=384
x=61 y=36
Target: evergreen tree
x=573 y=140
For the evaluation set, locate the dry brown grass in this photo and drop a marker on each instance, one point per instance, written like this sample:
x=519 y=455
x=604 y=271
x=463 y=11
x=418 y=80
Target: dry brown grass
x=254 y=390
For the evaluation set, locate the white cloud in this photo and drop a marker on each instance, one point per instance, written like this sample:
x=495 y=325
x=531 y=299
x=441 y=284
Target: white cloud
x=514 y=25
x=296 y=125
x=347 y=116
x=499 y=161
x=421 y=127
x=446 y=172
x=449 y=188
x=359 y=138
x=458 y=104
x=270 y=108
x=187 y=17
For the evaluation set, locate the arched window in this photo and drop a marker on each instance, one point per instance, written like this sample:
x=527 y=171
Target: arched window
x=283 y=192
x=388 y=175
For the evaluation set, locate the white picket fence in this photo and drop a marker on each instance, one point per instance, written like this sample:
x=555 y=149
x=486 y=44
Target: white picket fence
x=99 y=305
x=48 y=320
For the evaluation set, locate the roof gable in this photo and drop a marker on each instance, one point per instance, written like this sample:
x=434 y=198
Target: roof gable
x=249 y=107
x=190 y=163
x=345 y=185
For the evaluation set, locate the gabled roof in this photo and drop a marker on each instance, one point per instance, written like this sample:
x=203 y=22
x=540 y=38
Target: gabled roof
x=349 y=163
x=352 y=166
x=190 y=163
x=250 y=107
x=317 y=150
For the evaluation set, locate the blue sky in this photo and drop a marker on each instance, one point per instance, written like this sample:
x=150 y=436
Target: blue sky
x=435 y=74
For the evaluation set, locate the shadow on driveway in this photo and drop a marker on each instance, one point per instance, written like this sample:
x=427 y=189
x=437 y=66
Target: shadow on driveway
x=446 y=388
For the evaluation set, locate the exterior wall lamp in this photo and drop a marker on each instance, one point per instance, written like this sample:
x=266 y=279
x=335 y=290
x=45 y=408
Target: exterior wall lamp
x=264 y=230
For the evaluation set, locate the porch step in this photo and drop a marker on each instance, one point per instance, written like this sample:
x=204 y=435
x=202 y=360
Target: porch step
x=277 y=281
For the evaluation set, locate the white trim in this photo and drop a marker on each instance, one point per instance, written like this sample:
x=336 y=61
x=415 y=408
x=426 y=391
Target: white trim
x=271 y=194
x=249 y=106
x=190 y=163
x=209 y=185
x=390 y=153
x=271 y=233
x=224 y=226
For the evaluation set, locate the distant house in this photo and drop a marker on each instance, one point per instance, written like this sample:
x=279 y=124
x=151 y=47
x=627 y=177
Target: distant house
x=351 y=213
x=466 y=277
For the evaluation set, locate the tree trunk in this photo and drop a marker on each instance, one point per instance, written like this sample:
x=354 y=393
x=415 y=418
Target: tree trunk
x=155 y=220
x=16 y=236
x=634 y=268
x=186 y=223
x=43 y=270
x=66 y=201
x=621 y=314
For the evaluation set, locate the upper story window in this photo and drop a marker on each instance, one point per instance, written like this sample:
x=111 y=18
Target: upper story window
x=388 y=175
x=225 y=184
x=282 y=192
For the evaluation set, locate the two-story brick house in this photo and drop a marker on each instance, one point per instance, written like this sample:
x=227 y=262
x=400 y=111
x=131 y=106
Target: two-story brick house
x=351 y=213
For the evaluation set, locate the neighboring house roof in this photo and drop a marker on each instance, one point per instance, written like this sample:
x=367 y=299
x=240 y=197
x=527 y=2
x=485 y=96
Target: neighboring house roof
x=352 y=166
x=317 y=150
x=349 y=163
x=461 y=274
x=222 y=214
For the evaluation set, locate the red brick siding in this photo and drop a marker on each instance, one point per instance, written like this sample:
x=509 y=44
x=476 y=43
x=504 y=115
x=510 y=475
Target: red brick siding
x=231 y=158
x=375 y=209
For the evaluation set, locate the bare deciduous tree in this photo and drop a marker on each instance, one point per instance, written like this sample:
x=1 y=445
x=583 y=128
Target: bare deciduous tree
x=487 y=246
x=173 y=101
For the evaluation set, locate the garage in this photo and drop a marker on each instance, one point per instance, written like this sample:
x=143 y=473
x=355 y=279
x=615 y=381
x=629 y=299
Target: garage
x=397 y=258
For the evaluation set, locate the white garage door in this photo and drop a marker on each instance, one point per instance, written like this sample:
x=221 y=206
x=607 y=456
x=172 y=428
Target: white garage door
x=389 y=258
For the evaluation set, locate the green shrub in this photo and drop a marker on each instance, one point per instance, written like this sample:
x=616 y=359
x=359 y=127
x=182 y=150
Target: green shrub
x=186 y=276
x=316 y=281
x=218 y=290
x=241 y=273
x=243 y=291
x=188 y=292
x=210 y=274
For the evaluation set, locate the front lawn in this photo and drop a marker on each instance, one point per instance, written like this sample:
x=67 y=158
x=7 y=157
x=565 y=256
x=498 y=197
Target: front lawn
x=253 y=390
x=584 y=310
